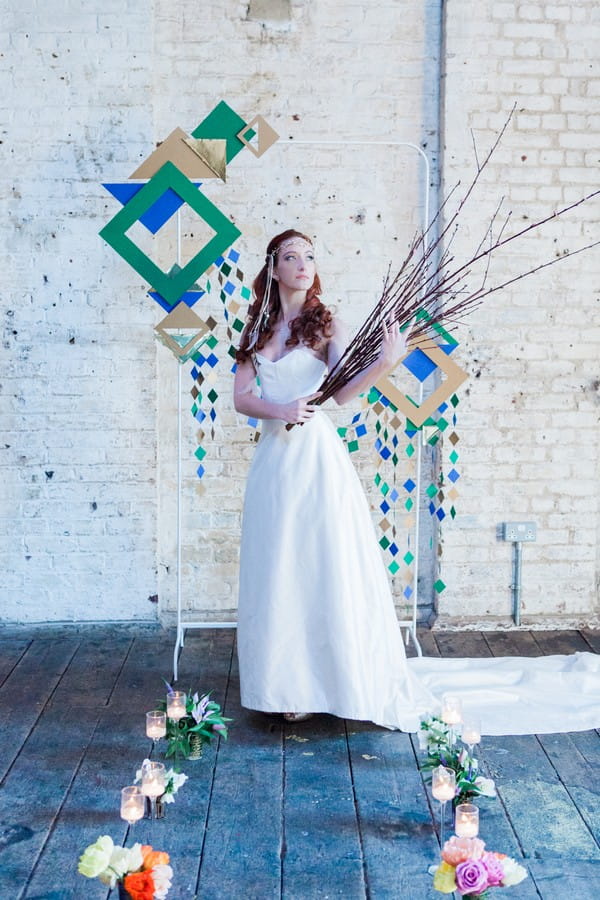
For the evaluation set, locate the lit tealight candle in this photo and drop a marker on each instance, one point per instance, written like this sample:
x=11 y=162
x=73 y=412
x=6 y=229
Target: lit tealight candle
x=153 y=779
x=176 y=702
x=451 y=709
x=471 y=732
x=466 y=822
x=443 y=784
x=132 y=804
x=156 y=724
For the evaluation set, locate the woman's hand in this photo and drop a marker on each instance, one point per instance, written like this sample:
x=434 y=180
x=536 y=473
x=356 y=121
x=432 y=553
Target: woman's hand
x=393 y=346
x=299 y=411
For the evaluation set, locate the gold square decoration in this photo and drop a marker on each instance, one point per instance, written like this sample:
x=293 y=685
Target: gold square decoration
x=455 y=376
x=182 y=331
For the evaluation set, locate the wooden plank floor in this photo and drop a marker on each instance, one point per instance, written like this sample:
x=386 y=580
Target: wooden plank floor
x=321 y=809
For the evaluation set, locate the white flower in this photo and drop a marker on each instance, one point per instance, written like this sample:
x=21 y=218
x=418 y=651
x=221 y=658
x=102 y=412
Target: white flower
x=174 y=780
x=179 y=779
x=485 y=786
x=513 y=872
x=162 y=876
x=95 y=858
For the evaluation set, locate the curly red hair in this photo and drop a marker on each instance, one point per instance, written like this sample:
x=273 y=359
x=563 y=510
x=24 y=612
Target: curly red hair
x=313 y=323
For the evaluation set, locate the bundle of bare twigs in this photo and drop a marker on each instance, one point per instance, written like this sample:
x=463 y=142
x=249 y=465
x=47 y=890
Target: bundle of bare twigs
x=431 y=281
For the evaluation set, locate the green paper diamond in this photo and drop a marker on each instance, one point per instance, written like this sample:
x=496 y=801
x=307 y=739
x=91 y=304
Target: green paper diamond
x=431 y=490
x=246 y=293
x=212 y=395
x=171 y=288
x=212 y=342
x=384 y=543
x=352 y=446
x=200 y=453
x=453 y=457
x=454 y=400
x=237 y=325
x=393 y=567
x=410 y=450
x=342 y=431
x=409 y=504
x=408 y=557
x=395 y=459
x=223 y=123
x=439 y=586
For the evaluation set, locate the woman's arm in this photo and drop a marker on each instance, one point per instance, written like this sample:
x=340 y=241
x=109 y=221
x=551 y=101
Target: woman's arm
x=247 y=402
x=393 y=348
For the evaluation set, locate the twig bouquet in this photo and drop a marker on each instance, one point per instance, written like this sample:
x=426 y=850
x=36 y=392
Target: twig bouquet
x=431 y=287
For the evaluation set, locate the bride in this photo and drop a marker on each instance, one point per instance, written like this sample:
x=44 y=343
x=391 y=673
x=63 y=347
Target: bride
x=317 y=628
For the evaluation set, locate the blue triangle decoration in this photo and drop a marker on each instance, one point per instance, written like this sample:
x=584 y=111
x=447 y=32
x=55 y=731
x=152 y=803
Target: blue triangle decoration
x=189 y=298
x=160 y=211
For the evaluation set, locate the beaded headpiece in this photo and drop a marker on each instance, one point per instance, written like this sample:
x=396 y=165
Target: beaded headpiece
x=262 y=319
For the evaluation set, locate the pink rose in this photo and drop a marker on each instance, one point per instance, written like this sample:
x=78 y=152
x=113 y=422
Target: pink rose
x=458 y=849
x=494 y=869
x=471 y=877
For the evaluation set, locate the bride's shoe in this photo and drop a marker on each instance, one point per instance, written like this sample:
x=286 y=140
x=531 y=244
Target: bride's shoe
x=297 y=717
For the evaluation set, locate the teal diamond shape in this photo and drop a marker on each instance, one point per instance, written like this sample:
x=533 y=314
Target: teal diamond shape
x=169 y=177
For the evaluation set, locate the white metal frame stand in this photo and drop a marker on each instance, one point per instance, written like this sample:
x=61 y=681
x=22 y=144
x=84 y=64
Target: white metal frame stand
x=409 y=624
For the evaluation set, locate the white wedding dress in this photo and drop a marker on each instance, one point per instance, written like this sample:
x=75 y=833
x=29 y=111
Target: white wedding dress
x=317 y=628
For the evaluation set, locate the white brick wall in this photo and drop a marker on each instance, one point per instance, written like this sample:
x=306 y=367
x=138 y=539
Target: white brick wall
x=86 y=393
x=529 y=426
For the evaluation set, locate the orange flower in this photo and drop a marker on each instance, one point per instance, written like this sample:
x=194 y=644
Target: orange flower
x=139 y=885
x=459 y=849
x=154 y=857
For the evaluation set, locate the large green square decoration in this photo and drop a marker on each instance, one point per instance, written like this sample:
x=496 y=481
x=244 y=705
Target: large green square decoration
x=169 y=287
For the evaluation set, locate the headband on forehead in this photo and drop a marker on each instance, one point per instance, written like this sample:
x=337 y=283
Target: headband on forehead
x=262 y=319
x=290 y=242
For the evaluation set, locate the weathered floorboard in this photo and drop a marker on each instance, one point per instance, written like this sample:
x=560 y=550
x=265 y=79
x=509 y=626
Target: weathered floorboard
x=317 y=809
x=319 y=815
x=243 y=836
x=26 y=691
x=116 y=750
x=395 y=822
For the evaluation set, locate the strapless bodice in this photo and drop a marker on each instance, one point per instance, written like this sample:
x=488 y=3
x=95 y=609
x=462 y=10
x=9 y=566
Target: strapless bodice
x=297 y=374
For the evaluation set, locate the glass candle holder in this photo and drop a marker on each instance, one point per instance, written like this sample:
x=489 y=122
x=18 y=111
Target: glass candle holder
x=176 y=702
x=443 y=788
x=132 y=804
x=466 y=820
x=451 y=709
x=471 y=731
x=156 y=724
x=153 y=779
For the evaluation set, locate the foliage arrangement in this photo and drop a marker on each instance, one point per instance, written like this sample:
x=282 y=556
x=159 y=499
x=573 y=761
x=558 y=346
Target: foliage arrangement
x=143 y=873
x=470 y=869
x=203 y=719
x=437 y=739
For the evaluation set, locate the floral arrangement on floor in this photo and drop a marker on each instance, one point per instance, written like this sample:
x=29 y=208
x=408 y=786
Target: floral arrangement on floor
x=203 y=722
x=437 y=739
x=174 y=780
x=470 y=869
x=143 y=873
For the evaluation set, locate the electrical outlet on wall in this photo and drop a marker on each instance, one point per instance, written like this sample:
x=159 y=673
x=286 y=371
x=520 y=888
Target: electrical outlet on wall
x=519 y=531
